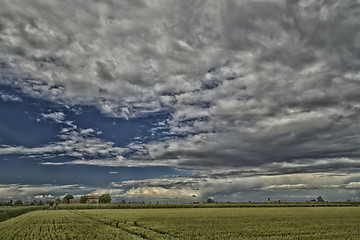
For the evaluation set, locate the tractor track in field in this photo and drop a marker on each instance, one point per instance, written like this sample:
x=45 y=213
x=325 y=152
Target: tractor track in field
x=125 y=227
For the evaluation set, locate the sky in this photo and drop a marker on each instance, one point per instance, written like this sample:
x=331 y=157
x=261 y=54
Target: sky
x=179 y=101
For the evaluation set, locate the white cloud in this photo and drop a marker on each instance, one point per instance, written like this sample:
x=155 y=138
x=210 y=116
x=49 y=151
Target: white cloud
x=110 y=159
x=74 y=143
x=29 y=192
x=353 y=185
x=114 y=193
x=87 y=131
x=44 y=197
x=160 y=192
x=9 y=98
x=57 y=117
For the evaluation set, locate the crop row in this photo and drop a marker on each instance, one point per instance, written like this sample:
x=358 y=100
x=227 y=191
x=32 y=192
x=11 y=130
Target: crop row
x=59 y=225
x=243 y=223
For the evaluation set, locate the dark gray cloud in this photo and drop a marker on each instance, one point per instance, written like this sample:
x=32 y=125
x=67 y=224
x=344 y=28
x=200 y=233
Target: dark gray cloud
x=296 y=98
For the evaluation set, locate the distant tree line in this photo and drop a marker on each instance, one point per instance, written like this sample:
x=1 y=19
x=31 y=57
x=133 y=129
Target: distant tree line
x=20 y=203
x=319 y=199
x=9 y=203
x=105 y=198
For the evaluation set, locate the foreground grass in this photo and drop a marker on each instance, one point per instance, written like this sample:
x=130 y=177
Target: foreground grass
x=188 y=223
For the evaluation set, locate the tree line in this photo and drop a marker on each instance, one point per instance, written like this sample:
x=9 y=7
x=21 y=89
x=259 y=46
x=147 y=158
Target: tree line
x=105 y=198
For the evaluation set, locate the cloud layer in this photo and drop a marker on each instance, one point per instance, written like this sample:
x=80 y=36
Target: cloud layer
x=239 y=187
x=38 y=192
x=263 y=87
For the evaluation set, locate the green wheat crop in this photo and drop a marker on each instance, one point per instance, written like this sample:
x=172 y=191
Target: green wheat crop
x=187 y=223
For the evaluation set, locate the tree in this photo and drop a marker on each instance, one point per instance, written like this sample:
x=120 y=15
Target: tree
x=320 y=199
x=67 y=198
x=123 y=201
x=209 y=200
x=50 y=203
x=18 y=203
x=83 y=199
x=105 y=198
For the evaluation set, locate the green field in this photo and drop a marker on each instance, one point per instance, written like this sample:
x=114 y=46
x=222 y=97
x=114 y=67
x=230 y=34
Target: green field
x=187 y=223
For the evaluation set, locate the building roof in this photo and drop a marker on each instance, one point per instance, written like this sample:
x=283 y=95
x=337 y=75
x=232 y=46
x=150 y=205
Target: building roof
x=93 y=197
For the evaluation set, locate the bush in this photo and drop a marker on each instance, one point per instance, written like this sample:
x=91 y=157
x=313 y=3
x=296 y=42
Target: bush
x=18 y=203
x=105 y=198
x=83 y=199
x=11 y=212
x=67 y=198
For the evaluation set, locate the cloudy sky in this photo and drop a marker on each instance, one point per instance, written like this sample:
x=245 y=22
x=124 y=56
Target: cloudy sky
x=180 y=100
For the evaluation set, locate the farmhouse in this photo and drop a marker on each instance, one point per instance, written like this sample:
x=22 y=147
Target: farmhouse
x=74 y=201
x=93 y=199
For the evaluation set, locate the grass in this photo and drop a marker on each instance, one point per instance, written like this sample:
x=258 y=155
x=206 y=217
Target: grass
x=187 y=223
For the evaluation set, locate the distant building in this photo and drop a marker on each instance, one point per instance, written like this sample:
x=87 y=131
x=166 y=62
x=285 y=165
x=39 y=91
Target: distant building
x=74 y=201
x=93 y=199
